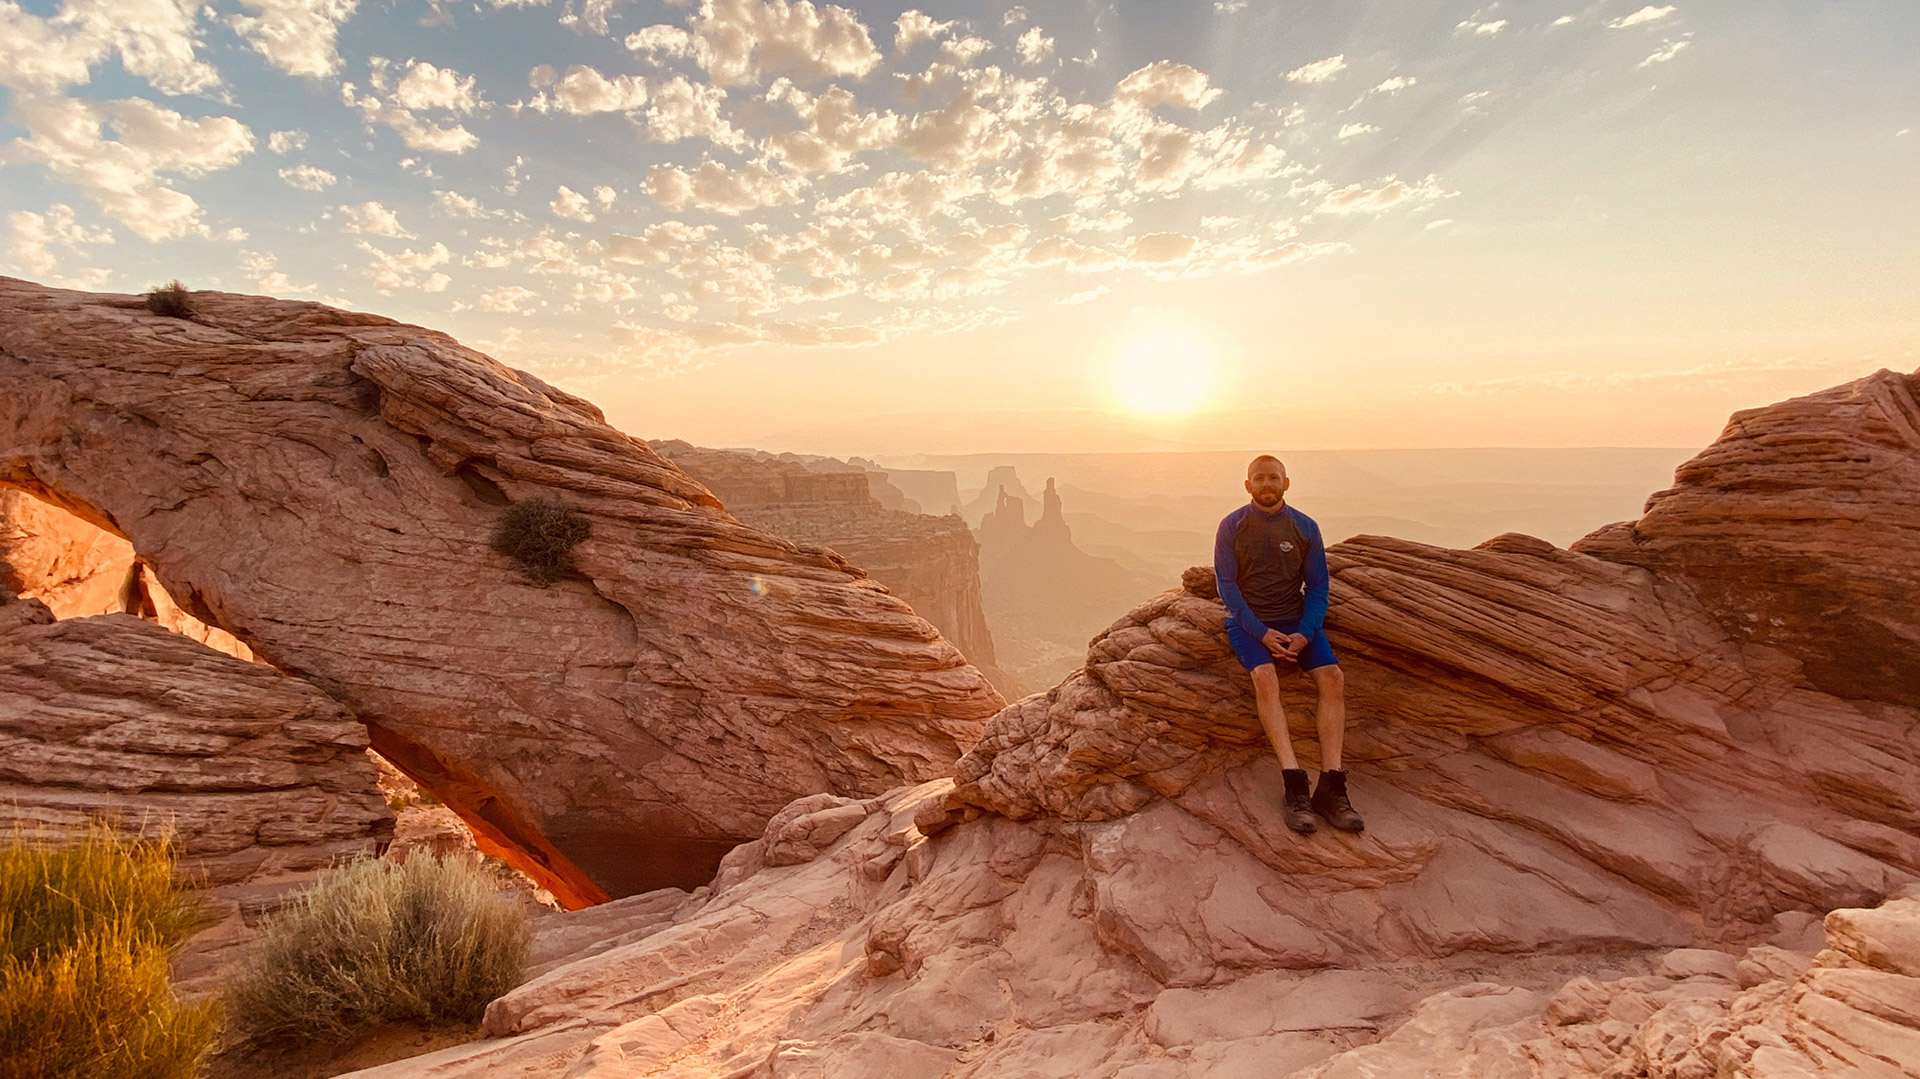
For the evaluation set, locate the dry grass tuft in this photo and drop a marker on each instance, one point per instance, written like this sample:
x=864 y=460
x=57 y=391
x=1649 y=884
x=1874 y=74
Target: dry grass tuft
x=374 y=942
x=86 y=930
x=538 y=534
x=171 y=299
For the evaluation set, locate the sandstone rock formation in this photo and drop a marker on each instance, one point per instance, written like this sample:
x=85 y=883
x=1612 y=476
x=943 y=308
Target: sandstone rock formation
x=1044 y=595
x=53 y=557
x=48 y=554
x=256 y=773
x=931 y=562
x=324 y=484
x=1598 y=827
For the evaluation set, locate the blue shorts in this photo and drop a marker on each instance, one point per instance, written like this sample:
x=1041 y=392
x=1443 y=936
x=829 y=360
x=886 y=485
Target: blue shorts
x=1253 y=654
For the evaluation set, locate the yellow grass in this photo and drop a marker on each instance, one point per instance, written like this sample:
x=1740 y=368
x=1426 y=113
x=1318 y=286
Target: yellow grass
x=86 y=929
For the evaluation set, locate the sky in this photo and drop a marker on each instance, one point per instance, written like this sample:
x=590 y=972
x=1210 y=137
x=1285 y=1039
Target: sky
x=1051 y=227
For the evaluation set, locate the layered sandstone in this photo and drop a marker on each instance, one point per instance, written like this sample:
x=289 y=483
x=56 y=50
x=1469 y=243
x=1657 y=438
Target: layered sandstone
x=931 y=562
x=1599 y=825
x=256 y=774
x=76 y=569
x=324 y=484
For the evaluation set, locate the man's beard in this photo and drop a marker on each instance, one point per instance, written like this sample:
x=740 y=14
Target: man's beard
x=1267 y=499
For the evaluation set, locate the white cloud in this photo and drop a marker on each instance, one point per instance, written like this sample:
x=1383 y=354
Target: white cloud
x=1563 y=20
x=1666 y=52
x=156 y=40
x=268 y=278
x=409 y=270
x=1087 y=296
x=1493 y=27
x=662 y=242
x=1360 y=199
x=743 y=41
x=372 y=219
x=1166 y=83
x=296 y=36
x=510 y=300
x=1161 y=247
x=1229 y=7
x=583 y=91
x=913 y=27
x=1348 y=131
x=1319 y=70
x=834 y=129
x=661 y=40
x=1395 y=84
x=1034 y=46
x=604 y=195
x=415 y=133
x=1440 y=224
x=684 y=109
x=122 y=174
x=308 y=177
x=1645 y=14
x=287 y=142
x=32 y=238
x=716 y=188
x=423 y=86
x=454 y=204
x=571 y=204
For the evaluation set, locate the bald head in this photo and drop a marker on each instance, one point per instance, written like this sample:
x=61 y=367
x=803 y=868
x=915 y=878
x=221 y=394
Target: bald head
x=1265 y=462
x=1267 y=481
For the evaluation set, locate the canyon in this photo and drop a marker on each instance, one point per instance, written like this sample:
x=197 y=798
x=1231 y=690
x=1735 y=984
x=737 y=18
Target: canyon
x=1645 y=805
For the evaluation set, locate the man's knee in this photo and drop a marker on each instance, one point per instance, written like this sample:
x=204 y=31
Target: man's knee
x=1265 y=679
x=1330 y=679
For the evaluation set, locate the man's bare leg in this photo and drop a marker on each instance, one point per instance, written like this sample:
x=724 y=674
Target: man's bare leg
x=1330 y=713
x=1266 y=697
x=1330 y=794
x=1294 y=807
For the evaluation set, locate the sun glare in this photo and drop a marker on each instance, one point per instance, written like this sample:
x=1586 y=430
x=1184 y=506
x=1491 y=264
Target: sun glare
x=1164 y=370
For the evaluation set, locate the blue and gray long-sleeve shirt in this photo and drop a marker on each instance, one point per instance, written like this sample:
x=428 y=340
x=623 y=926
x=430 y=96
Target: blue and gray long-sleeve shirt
x=1271 y=567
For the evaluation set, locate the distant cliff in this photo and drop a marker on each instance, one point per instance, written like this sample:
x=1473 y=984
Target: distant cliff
x=931 y=562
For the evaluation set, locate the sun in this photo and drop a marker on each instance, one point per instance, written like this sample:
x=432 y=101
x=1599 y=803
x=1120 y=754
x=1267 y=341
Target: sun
x=1164 y=370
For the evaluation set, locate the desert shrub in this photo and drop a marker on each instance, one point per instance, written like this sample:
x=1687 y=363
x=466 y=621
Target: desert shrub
x=538 y=534
x=373 y=942
x=87 y=926
x=171 y=299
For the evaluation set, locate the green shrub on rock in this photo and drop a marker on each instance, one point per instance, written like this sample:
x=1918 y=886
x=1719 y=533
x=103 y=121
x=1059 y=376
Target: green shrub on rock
x=87 y=927
x=538 y=533
x=171 y=299
x=423 y=941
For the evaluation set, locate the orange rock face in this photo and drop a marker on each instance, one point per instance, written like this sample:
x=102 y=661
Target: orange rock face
x=257 y=774
x=1600 y=826
x=324 y=485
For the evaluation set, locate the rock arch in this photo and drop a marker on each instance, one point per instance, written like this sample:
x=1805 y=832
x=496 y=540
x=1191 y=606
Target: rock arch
x=320 y=484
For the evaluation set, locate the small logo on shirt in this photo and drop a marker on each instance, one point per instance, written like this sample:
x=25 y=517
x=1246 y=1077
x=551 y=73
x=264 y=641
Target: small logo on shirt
x=1286 y=545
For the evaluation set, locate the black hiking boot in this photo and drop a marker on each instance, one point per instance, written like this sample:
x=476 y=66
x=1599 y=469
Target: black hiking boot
x=1296 y=808
x=1330 y=801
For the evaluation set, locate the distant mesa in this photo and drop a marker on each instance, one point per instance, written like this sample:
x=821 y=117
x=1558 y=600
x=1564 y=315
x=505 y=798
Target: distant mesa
x=855 y=509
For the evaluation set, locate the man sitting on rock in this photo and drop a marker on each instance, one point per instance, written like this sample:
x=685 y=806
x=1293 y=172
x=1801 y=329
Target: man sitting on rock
x=1271 y=567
